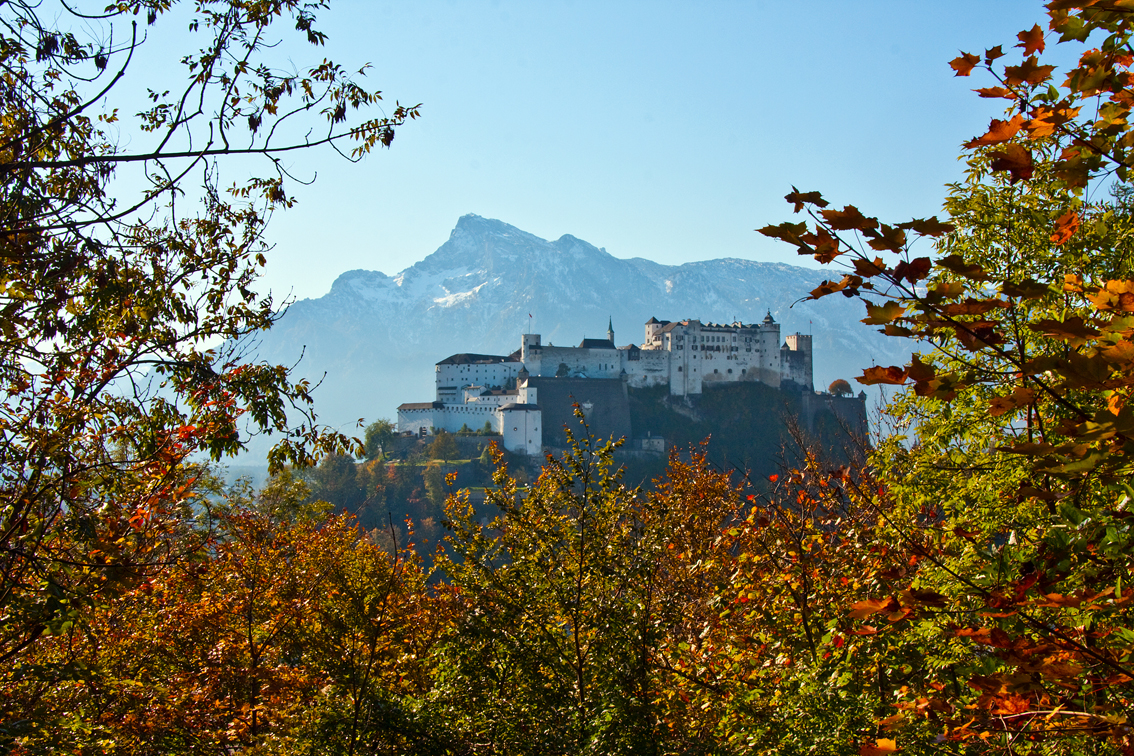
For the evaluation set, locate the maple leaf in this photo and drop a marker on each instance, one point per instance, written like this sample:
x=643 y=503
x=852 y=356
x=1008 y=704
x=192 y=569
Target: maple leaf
x=993 y=53
x=848 y=219
x=789 y=232
x=867 y=268
x=799 y=199
x=1031 y=40
x=1028 y=72
x=1001 y=92
x=824 y=246
x=925 y=597
x=1015 y=159
x=998 y=132
x=891 y=238
x=964 y=64
x=892 y=375
x=919 y=371
x=1065 y=227
x=928 y=226
x=1000 y=405
x=912 y=271
x=863 y=609
x=1029 y=288
x=1039 y=127
x=887 y=312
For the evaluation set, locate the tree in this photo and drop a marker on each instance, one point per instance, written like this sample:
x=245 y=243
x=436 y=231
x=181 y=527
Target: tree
x=444 y=446
x=287 y=636
x=565 y=593
x=125 y=316
x=378 y=437
x=839 y=387
x=1011 y=503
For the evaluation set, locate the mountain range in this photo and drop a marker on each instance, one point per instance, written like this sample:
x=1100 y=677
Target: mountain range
x=374 y=339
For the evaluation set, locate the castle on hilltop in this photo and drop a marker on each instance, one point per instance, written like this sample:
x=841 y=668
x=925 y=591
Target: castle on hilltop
x=503 y=392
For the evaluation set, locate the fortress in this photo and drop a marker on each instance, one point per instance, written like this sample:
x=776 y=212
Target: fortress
x=473 y=390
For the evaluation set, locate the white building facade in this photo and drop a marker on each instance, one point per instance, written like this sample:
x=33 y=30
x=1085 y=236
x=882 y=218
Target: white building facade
x=475 y=389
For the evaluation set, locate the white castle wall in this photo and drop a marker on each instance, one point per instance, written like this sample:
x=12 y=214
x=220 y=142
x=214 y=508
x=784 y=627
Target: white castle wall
x=685 y=355
x=452 y=378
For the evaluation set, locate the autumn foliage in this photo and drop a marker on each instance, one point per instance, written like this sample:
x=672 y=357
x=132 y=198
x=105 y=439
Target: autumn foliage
x=960 y=586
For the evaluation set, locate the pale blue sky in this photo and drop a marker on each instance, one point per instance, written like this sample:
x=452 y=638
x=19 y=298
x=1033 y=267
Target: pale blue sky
x=661 y=130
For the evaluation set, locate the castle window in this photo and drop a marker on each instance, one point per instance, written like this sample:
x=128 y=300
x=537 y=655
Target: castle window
x=743 y=371
x=730 y=370
x=715 y=370
x=679 y=368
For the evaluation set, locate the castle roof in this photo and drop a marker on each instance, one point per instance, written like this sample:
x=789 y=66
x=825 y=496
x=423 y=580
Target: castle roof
x=631 y=348
x=596 y=344
x=476 y=359
x=421 y=406
x=652 y=321
x=519 y=407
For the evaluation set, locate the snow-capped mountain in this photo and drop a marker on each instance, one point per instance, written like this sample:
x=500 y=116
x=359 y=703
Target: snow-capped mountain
x=373 y=339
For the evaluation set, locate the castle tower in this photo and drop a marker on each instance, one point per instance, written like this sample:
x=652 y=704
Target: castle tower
x=797 y=360
x=530 y=351
x=610 y=329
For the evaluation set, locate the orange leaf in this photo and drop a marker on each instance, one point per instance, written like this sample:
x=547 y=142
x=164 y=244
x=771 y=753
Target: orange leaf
x=882 y=747
x=1028 y=72
x=890 y=375
x=998 y=132
x=1007 y=94
x=863 y=609
x=1039 y=127
x=1031 y=40
x=964 y=64
x=1065 y=227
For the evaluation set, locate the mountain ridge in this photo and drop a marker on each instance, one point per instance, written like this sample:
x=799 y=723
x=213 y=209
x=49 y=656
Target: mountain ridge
x=374 y=338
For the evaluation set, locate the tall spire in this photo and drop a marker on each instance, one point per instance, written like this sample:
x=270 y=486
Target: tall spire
x=610 y=329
